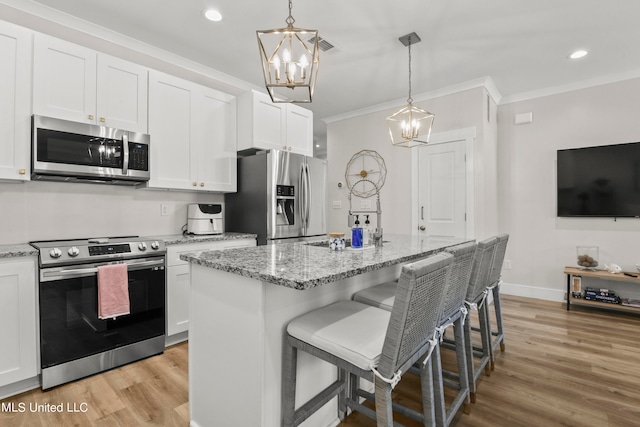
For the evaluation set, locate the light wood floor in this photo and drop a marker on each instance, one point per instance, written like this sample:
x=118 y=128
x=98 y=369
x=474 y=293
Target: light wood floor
x=152 y=392
x=580 y=368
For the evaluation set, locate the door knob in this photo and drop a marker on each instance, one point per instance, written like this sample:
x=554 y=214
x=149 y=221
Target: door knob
x=422 y=228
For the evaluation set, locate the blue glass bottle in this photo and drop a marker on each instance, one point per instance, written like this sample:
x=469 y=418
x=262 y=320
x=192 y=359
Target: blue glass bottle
x=356 y=235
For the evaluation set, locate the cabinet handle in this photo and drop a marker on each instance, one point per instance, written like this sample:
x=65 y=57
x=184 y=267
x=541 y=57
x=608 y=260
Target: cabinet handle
x=102 y=120
x=284 y=147
x=91 y=117
x=22 y=171
x=422 y=228
x=202 y=184
x=194 y=184
x=289 y=148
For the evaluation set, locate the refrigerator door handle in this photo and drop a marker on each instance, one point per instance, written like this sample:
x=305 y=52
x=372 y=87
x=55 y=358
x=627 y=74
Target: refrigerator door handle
x=307 y=191
x=303 y=198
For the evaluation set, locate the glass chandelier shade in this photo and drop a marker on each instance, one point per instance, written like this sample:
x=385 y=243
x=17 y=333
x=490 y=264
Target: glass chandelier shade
x=410 y=126
x=290 y=59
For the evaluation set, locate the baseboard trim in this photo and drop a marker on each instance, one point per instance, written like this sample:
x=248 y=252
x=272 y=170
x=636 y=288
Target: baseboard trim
x=19 y=387
x=176 y=338
x=532 y=292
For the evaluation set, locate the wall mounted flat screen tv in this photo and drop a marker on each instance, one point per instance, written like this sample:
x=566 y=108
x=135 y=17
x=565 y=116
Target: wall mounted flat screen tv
x=599 y=181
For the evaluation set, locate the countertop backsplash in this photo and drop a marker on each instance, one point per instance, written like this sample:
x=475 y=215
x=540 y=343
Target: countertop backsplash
x=51 y=210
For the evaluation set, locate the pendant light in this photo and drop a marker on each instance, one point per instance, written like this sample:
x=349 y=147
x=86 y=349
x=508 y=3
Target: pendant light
x=411 y=126
x=290 y=58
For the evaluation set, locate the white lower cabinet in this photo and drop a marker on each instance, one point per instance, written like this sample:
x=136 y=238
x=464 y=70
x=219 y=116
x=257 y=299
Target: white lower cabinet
x=179 y=279
x=18 y=353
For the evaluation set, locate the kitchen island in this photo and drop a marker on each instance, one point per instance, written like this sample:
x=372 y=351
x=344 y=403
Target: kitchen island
x=241 y=302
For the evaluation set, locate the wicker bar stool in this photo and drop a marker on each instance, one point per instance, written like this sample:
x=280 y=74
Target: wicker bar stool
x=476 y=298
x=453 y=314
x=374 y=344
x=494 y=285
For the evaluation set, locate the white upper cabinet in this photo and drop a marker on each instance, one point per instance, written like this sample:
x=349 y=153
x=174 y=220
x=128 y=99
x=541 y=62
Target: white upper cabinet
x=76 y=83
x=122 y=94
x=193 y=136
x=214 y=128
x=15 y=93
x=265 y=125
x=300 y=130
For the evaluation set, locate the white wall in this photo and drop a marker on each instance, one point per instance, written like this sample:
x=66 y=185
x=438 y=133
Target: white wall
x=369 y=131
x=50 y=210
x=542 y=244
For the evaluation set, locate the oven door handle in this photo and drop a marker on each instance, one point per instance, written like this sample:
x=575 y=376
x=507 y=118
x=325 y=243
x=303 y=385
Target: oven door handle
x=59 y=273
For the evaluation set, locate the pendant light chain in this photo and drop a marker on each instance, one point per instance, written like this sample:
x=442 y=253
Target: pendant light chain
x=409 y=100
x=290 y=19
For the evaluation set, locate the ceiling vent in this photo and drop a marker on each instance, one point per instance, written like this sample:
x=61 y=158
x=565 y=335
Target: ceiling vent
x=324 y=45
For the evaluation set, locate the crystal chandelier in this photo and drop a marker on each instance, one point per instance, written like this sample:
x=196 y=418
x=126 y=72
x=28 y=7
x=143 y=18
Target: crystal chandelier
x=411 y=126
x=290 y=58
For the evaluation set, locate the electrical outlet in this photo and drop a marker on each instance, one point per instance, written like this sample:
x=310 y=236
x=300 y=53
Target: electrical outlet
x=164 y=210
x=337 y=204
x=507 y=264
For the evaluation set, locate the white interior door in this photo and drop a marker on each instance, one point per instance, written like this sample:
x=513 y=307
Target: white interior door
x=442 y=189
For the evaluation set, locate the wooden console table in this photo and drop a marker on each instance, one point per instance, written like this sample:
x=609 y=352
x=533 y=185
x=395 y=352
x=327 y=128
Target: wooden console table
x=600 y=274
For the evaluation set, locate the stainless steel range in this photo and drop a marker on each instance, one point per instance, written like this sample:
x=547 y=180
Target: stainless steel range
x=74 y=340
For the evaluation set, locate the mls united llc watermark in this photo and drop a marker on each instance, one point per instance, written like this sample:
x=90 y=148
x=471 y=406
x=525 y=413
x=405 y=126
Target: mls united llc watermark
x=22 y=407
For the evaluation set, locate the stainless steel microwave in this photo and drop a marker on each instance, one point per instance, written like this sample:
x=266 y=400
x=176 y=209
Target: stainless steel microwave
x=77 y=152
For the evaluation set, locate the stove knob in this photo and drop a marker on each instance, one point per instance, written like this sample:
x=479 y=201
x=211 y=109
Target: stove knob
x=142 y=246
x=55 y=253
x=73 y=251
x=155 y=245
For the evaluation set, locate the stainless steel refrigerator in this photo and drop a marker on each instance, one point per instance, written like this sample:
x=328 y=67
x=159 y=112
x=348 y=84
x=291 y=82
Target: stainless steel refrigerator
x=281 y=197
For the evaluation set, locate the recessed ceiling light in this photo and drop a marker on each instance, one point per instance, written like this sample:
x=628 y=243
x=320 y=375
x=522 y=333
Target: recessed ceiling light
x=578 y=54
x=212 y=15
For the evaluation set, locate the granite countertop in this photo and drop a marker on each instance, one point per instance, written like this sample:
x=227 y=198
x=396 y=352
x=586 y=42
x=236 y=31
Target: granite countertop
x=25 y=249
x=304 y=266
x=17 y=250
x=180 y=239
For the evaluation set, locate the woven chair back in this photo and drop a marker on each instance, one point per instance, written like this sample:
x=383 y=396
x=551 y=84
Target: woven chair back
x=459 y=280
x=498 y=258
x=481 y=268
x=416 y=310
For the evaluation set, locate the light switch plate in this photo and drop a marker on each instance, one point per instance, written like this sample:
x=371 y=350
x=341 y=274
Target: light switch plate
x=337 y=204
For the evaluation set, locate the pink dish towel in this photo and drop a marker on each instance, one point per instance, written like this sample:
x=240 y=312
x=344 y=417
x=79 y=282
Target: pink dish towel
x=113 y=291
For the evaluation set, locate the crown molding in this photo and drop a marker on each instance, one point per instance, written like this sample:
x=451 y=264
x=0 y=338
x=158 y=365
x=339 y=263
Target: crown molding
x=584 y=84
x=47 y=20
x=483 y=82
